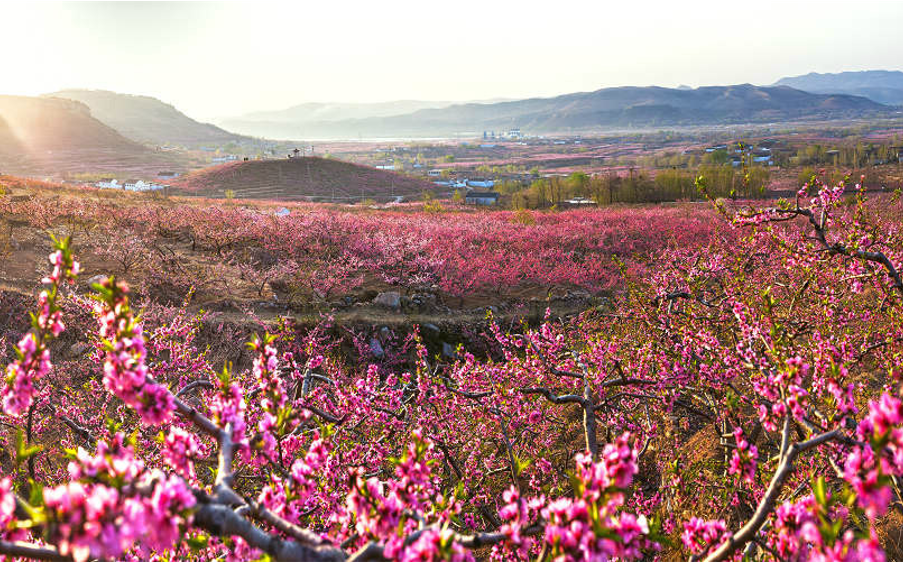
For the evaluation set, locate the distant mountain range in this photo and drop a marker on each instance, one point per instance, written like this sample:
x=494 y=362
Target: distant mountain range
x=293 y=122
x=101 y=131
x=885 y=87
x=147 y=120
x=622 y=107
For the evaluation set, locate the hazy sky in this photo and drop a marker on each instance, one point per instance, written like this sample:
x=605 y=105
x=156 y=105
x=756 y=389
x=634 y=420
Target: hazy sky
x=213 y=59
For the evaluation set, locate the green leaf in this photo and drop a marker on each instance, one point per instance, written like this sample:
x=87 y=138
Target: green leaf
x=35 y=494
x=520 y=465
x=820 y=489
x=198 y=542
x=24 y=451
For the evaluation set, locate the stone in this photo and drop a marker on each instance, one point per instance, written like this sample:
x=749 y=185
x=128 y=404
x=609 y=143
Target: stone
x=376 y=348
x=390 y=300
x=448 y=350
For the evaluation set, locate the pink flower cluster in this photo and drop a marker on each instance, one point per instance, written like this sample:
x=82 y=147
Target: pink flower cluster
x=265 y=372
x=618 y=465
x=744 y=459
x=125 y=371
x=789 y=519
x=65 y=267
x=518 y=513
x=589 y=528
x=228 y=407
x=390 y=511
x=272 y=387
x=179 y=449
x=112 y=505
x=304 y=469
x=435 y=544
x=85 y=520
x=33 y=364
x=7 y=502
x=33 y=357
x=700 y=535
x=868 y=468
x=111 y=460
x=805 y=531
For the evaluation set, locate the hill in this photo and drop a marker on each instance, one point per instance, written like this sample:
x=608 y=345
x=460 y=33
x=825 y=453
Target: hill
x=609 y=108
x=300 y=179
x=885 y=87
x=49 y=136
x=147 y=120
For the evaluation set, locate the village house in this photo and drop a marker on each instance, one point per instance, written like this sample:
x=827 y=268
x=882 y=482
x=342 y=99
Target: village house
x=452 y=183
x=133 y=185
x=481 y=198
x=108 y=183
x=136 y=185
x=480 y=183
x=578 y=202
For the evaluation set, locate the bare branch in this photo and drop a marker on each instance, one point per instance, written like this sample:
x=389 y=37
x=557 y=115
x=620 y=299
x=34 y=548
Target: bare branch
x=767 y=504
x=31 y=551
x=220 y=520
x=564 y=399
x=200 y=383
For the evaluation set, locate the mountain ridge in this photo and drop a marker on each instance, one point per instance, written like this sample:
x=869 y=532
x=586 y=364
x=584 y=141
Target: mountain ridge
x=885 y=87
x=616 y=107
x=146 y=119
x=41 y=135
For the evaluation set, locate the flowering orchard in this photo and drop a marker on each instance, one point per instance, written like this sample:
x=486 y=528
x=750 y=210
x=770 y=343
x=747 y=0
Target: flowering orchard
x=740 y=399
x=316 y=254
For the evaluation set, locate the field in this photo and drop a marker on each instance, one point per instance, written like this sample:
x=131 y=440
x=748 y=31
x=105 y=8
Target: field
x=308 y=258
x=208 y=378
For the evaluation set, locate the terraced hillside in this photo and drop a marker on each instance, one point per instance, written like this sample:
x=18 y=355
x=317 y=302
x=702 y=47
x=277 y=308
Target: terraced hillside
x=303 y=178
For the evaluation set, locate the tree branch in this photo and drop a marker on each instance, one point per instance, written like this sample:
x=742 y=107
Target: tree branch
x=767 y=504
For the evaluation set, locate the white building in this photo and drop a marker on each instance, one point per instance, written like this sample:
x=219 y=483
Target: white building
x=108 y=183
x=481 y=183
x=141 y=186
x=133 y=185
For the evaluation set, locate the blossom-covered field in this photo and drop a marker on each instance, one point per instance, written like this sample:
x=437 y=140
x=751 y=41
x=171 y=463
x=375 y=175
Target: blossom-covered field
x=313 y=253
x=737 y=397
